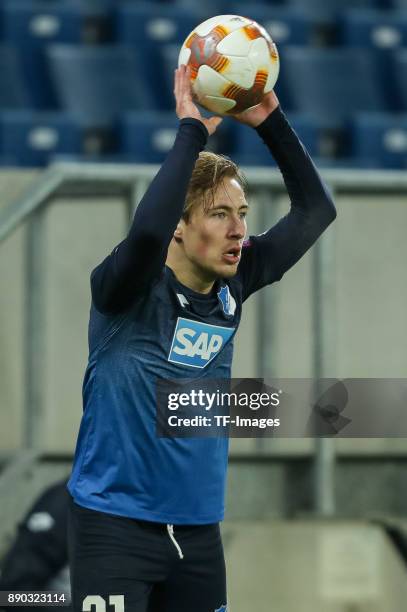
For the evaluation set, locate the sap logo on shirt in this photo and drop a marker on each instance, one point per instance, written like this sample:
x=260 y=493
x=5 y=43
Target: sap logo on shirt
x=195 y=344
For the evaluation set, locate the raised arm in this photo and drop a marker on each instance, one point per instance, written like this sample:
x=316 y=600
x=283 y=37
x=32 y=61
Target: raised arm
x=267 y=257
x=137 y=261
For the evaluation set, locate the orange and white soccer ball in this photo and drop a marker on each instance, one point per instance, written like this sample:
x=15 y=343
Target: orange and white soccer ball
x=233 y=63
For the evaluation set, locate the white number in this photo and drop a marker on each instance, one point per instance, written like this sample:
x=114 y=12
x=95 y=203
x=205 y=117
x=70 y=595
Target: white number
x=100 y=604
x=117 y=601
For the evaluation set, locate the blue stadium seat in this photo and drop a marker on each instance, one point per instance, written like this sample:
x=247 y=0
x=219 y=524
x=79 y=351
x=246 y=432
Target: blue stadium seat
x=7 y=162
x=381 y=30
x=148 y=27
x=379 y=140
x=331 y=83
x=329 y=10
x=32 y=138
x=400 y=77
x=397 y=4
x=168 y=62
x=146 y=137
x=13 y=90
x=249 y=149
x=33 y=25
x=97 y=83
x=287 y=26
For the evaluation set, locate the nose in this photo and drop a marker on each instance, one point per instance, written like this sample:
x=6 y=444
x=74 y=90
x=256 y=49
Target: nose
x=237 y=229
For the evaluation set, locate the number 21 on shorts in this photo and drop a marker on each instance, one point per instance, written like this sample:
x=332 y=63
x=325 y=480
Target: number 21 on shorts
x=100 y=604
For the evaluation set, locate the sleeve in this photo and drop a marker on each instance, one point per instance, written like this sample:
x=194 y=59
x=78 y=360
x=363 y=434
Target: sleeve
x=265 y=258
x=40 y=548
x=137 y=261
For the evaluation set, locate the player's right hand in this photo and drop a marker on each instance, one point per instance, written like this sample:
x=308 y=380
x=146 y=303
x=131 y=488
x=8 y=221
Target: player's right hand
x=185 y=106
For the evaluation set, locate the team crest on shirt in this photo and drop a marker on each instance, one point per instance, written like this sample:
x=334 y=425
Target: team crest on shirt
x=195 y=344
x=221 y=609
x=227 y=300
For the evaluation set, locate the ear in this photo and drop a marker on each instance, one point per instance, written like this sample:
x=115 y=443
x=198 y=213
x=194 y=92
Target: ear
x=178 y=231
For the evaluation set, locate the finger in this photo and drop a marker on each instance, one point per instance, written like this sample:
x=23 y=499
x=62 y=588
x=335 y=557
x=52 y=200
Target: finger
x=175 y=83
x=184 y=81
x=188 y=83
x=178 y=86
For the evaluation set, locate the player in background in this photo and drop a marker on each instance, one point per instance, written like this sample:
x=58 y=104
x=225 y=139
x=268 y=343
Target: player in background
x=166 y=303
x=37 y=559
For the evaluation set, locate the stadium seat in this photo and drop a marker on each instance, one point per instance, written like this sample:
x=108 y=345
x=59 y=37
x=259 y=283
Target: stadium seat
x=287 y=26
x=226 y=7
x=331 y=83
x=146 y=137
x=398 y=4
x=329 y=10
x=148 y=27
x=32 y=138
x=97 y=83
x=249 y=149
x=168 y=62
x=381 y=30
x=33 y=25
x=399 y=71
x=7 y=162
x=13 y=90
x=379 y=139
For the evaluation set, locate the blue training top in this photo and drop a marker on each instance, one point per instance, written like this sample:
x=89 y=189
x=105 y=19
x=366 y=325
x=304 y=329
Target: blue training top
x=145 y=325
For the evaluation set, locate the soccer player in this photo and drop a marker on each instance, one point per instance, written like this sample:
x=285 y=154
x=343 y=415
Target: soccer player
x=144 y=518
x=37 y=560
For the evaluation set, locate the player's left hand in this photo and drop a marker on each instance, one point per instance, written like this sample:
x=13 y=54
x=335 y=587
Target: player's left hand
x=256 y=115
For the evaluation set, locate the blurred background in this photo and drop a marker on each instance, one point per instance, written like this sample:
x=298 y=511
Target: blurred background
x=82 y=77
x=86 y=86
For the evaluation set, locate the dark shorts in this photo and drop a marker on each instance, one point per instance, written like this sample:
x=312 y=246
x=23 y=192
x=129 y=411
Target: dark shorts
x=120 y=564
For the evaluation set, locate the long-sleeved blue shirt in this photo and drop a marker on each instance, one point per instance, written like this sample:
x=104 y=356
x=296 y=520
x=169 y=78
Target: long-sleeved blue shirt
x=145 y=325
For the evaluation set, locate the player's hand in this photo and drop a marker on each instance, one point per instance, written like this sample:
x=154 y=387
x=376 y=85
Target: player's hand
x=256 y=115
x=185 y=106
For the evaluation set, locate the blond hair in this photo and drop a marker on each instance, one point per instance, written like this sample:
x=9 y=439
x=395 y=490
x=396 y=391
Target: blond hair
x=209 y=172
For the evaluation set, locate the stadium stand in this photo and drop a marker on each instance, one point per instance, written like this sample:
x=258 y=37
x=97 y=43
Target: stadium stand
x=400 y=77
x=288 y=26
x=332 y=83
x=86 y=60
x=13 y=90
x=250 y=150
x=32 y=138
x=381 y=33
x=374 y=29
x=379 y=140
x=31 y=26
x=329 y=10
x=147 y=137
x=148 y=28
x=96 y=83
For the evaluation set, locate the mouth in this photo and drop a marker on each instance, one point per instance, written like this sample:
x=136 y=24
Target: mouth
x=232 y=256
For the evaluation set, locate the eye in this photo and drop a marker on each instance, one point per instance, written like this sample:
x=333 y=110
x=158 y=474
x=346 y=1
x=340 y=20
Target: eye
x=220 y=215
x=243 y=215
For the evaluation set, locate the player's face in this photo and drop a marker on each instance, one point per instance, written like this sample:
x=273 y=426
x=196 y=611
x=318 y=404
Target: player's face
x=213 y=237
